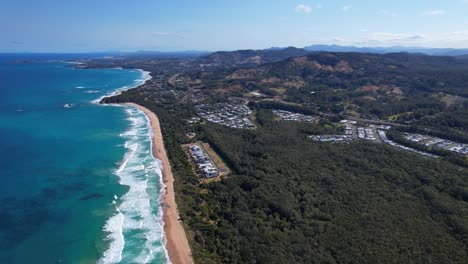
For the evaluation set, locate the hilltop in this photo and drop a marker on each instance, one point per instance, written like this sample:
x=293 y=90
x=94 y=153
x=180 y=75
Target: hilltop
x=297 y=191
x=247 y=58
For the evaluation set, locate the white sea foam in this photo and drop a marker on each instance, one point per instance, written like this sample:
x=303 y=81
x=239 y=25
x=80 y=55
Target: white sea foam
x=74 y=62
x=80 y=87
x=136 y=231
x=145 y=76
x=114 y=228
x=132 y=132
x=162 y=189
x=128 y=156
x=92 y=91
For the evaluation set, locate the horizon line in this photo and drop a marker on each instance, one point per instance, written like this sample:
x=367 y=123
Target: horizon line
x=227 y=50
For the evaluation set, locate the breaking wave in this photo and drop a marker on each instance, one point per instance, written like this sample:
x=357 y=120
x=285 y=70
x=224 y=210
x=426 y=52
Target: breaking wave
x=145 y=76
x=136 y=232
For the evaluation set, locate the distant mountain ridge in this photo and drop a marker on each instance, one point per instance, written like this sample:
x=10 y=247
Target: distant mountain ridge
x=246 y=58
x=346 y=70
x=166 y=54
x=382 y=50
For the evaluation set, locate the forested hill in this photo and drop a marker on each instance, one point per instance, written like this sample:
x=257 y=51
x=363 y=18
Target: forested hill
x=353 y=70
x=248 y=57
x=292 y=200
x=256 y=57
x=403 y=87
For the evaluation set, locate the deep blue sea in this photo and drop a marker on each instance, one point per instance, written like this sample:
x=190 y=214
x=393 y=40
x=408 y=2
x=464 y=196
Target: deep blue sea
x=78 y=181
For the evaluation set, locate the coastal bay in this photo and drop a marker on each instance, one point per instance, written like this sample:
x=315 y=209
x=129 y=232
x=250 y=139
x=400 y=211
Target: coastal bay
x=91 y=187
x=58 y=171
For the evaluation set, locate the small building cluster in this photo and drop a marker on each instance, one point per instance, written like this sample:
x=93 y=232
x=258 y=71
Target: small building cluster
x=383 y=136
x=384 y=127
x=366 y=133
x=204 y=164
x=257 y=94
x=331 y=138
x=230 y=115
x=290 y=116
x=349 y=130
x=435 y=142
x=346 y=121
x=385 y=140
x=193 y=120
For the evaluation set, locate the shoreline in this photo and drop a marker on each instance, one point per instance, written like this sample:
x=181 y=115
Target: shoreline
x=145 y=77
x=176 y=242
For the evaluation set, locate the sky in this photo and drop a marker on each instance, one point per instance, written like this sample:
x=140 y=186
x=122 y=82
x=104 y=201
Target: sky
x=210 y=25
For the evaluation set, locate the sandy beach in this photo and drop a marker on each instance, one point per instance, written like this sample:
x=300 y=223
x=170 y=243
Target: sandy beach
x=176 y=240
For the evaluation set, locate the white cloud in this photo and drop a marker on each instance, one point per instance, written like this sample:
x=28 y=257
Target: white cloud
x=387 y=13
x=433 y=13
x=396 y=37
x=461 y=35
x=345 y=8
x=449 y=39
x=453 y=39
x=303 y=8
x=337 y=40
x=165 y=34
x=161 y=33
x=319 y=6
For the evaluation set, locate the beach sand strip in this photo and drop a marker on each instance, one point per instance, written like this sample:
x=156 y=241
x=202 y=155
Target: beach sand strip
x=176 y=240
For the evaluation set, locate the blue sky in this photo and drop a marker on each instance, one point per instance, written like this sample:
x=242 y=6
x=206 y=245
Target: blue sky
x=127 y=25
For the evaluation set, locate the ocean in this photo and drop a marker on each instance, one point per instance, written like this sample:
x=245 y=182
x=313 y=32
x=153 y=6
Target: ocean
x=78 y=181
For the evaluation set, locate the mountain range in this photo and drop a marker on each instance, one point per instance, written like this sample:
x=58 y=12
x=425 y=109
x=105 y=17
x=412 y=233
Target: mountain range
x=248 y=58
x=381 y=50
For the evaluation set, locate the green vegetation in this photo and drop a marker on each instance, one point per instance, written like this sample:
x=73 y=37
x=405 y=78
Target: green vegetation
x=407 y=88
x=290 y=200
x=449 y=156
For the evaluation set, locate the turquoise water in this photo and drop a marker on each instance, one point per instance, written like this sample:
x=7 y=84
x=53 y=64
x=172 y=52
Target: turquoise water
x=79 y=184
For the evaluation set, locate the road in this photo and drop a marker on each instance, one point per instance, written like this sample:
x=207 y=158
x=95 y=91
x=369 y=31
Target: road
x=172 y=79
x=376 y=122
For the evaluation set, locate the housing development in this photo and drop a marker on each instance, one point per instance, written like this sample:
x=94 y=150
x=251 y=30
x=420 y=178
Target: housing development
x=384 y=139
x=205 y=166
x=366 y=133
x=226 y=114
x=290 y=116
x=331 y=138
x=377 y=134
x=435 y=142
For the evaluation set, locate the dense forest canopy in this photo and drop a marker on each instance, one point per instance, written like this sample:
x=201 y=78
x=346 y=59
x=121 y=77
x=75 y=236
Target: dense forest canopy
x=292 y=200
